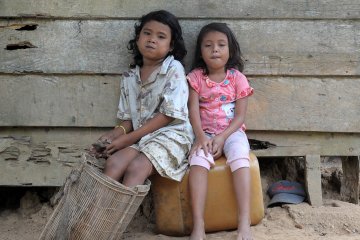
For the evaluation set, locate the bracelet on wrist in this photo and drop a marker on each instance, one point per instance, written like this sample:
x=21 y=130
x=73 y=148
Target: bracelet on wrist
x=122 y=127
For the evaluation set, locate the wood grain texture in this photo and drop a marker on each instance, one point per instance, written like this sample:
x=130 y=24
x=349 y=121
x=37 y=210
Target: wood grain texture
x=274 y=143
x=350 y=182
x=313 y=180
x=299 y=144
x=44 y=157
x=302 y=58
x=26 y=164
x=304 y=104
x=33 y=100
x=278 y=103
x=314 y=9
x=287 y=47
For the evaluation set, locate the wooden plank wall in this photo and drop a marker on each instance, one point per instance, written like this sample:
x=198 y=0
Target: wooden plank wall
x=61 y=61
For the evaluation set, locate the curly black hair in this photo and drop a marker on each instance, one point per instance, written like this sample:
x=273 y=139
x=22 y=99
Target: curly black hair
x=177 y=41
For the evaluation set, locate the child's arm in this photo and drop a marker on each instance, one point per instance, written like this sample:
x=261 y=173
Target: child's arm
x=201 y=141
x=158 y=121
x=97 y=148
x=117 y=131
x=236 y=123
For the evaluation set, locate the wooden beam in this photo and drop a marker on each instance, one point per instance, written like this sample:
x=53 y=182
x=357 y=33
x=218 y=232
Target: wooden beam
x=93 y=46
x=278 y=103
x=276 y=9
x=282 y=103
x=45 y=156
x=350 y=182
x=297 y=144
x=25 y=164
x=59 y=100
x=78 y=136
x=264 y=143
x=313 y=179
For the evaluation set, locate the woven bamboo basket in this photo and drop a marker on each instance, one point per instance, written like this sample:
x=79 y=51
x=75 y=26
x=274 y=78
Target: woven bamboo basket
x=93 y=206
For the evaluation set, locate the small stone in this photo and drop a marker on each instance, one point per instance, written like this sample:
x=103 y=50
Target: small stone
x=297 y=225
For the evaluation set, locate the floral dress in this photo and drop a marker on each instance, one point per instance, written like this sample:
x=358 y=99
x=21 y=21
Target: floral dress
x=166 y=91
x=217 y=100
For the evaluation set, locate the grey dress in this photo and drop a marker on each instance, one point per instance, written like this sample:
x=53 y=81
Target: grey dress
x=166 y=91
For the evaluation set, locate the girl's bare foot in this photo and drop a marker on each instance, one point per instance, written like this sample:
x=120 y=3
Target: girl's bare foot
x=244 y=232
x=197 y=235
x=198 y=232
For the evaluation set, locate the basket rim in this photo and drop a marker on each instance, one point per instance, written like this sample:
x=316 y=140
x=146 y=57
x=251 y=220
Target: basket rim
x=142 y=189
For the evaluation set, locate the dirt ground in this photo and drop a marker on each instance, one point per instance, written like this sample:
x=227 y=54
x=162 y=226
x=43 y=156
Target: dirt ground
x=24 y=214
x=333 y=220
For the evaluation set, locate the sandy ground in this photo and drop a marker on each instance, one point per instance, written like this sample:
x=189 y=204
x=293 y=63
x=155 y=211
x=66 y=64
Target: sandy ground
x=333 y=220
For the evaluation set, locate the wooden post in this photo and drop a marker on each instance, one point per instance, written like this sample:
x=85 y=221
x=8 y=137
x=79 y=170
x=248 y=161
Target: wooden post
x=313 y=179
x=350 y=183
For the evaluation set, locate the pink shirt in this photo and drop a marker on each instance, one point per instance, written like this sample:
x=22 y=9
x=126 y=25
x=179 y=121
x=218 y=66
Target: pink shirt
x=217 y=100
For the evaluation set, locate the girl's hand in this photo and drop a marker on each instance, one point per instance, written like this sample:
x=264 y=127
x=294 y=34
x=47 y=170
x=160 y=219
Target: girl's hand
x=97 y=149
x=203 y=143
x=119 y=143
x=111 y=135
x=217 y=146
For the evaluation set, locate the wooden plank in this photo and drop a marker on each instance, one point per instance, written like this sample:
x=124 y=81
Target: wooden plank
x=304 y=104
x=350 y=182
x=44 y=156
x=77 y=136
x=183 y=9
x=47 y=164
x=297 y=144
x=266 y=143
x=273 y=143
x=313 y=179
x=284 y=104
x=32 y=100
x=287 y=47
x=68 y=47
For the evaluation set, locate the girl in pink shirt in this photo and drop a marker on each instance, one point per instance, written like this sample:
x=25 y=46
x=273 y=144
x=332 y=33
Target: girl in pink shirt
x=217 y=105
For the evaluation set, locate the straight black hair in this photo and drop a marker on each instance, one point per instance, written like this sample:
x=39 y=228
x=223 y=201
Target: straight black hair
x=235 y=58
x=177 y=41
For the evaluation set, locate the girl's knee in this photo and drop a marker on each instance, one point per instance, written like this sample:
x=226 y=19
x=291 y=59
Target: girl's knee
x=136 y=173
x=133 y=168
x=202 y=160
x=239 y=163
x=113 y=167
x=110 y=163
x=139 y=167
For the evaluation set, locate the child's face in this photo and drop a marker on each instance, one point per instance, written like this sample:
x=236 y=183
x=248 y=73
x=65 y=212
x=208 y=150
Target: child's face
x=154 y=41
x=215 y=50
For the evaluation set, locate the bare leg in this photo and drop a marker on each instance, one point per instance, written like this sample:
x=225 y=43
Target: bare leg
x=117 y=163
x=138 y=171
x=241 y=179
x=198 y=189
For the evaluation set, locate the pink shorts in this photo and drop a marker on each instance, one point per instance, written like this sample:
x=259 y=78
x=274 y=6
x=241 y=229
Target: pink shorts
x=236 y=149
